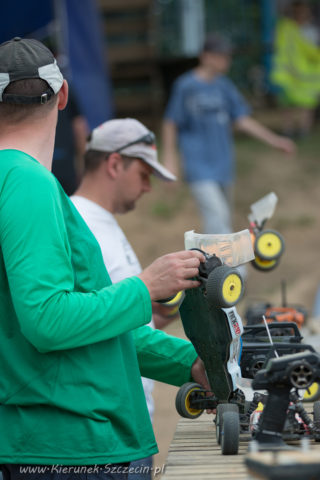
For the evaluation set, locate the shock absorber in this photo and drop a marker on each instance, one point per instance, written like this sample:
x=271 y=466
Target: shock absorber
x=299 y=408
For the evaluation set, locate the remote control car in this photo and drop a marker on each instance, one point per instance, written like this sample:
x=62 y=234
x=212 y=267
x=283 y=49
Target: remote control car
x=285 y=313
x=211 y=322
x=283 y=412
x=257 y=350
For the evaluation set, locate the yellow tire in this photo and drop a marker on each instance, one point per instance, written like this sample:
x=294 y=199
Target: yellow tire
x=264 y=265
x=312 y=393
x=174 y=304
x=183 y=400
x=176 y=300
x=224 y=287
x=269 y=245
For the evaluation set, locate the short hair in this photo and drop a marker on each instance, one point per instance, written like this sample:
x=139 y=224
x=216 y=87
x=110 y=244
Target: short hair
x=16 y=113
x=94 y=158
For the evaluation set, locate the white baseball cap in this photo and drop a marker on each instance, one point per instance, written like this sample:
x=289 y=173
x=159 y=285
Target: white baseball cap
x=133 y=139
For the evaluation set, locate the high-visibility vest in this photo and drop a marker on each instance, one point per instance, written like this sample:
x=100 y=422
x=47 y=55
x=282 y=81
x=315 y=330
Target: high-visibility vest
x=296 y=65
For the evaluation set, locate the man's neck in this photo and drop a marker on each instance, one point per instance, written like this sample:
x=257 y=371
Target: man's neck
x=34 y=138
x=205 y=74
x=91 y=189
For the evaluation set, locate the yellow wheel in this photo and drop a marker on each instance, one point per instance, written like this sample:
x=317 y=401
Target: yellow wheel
x=183 y=400
x=224 y=287
x=177 y=299
x=174 y=304
x=232 y=288
x=312 y=393
x=269 y=245
x=264 y=265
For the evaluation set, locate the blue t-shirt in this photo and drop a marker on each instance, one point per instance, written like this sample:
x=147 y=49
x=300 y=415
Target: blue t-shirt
x=204 y=112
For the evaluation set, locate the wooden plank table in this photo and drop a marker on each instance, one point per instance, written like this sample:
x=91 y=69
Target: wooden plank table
x=195 y=454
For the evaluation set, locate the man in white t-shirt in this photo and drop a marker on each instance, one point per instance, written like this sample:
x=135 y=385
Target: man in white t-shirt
x=120 y=158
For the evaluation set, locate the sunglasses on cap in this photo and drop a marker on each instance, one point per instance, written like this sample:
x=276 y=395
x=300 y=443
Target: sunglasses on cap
x=149 y=139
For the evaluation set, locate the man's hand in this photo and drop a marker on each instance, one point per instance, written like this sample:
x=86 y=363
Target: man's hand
x=254 y=128
x=199 y=375
x=285 y=144
x=171 y=273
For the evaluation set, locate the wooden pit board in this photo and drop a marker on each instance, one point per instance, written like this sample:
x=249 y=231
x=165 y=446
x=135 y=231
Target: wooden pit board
x=195 y=454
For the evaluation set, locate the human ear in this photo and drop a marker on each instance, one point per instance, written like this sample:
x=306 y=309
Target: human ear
x=63 y=95
x=114 y=165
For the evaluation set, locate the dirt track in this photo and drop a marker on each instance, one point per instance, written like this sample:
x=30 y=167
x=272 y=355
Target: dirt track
x=158 y=224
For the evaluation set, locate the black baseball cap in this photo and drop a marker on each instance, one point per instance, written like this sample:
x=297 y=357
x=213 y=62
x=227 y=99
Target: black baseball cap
x=217 y=43
x=22 y=59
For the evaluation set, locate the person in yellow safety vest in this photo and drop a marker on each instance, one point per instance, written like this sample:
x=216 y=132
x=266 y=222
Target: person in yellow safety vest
x=296 y=69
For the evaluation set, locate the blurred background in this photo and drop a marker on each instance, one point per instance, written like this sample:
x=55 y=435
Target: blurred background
x=121 y=57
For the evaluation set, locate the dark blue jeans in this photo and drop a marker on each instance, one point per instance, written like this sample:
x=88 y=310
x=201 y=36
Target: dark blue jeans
x=141 y=469
x=116 y=471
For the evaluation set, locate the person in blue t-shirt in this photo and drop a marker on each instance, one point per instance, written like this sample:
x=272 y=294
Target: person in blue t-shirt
x=203 y=108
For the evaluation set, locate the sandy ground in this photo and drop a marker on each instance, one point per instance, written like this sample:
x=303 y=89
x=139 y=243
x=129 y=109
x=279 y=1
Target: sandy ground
x=157 y=226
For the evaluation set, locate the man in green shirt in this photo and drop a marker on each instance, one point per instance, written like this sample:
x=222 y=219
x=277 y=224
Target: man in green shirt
x=70 y=388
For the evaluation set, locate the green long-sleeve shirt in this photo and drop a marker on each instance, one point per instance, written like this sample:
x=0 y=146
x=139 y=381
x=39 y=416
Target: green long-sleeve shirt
x=70 y=388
